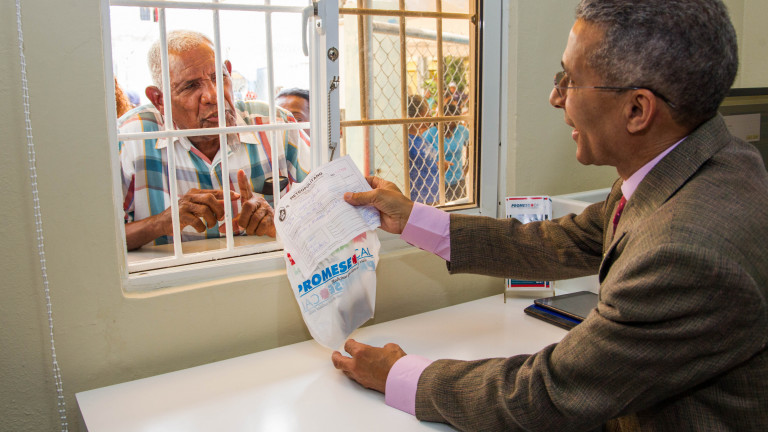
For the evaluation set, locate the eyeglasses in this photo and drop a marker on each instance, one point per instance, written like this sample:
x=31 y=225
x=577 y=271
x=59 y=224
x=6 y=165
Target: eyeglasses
x=562 y=80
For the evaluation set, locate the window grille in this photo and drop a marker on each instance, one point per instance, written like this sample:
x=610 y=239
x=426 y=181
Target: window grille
x=229 y=245
x=404 y=52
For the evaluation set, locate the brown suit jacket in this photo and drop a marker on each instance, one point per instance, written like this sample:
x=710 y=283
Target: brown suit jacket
x=679 y=339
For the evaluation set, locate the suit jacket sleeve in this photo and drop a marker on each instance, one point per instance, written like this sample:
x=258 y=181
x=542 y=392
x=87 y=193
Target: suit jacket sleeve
x=567 y=247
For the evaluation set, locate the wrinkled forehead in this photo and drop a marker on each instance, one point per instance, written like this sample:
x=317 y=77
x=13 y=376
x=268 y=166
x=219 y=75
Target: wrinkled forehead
x=196 y=55
x=197 y=62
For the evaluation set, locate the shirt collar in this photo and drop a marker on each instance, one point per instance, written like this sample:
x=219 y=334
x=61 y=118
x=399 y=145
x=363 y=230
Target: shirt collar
x=629 y=185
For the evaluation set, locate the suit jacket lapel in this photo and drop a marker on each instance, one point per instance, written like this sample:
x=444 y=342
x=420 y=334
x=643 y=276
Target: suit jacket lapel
x=661 y=183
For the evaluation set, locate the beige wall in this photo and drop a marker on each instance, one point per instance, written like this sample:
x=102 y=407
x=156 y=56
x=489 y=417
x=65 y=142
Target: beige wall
x=104 y=338
x=749 y=18
x=541 y=157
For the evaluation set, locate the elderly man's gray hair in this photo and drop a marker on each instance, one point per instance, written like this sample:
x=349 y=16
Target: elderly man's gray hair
x=683 y=49
x=178 y=41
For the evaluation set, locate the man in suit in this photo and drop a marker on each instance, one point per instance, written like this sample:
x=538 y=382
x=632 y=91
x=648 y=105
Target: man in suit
x=679 y=338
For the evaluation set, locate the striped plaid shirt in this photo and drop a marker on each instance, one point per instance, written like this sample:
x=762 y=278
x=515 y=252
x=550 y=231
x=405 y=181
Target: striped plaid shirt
x=144 y=163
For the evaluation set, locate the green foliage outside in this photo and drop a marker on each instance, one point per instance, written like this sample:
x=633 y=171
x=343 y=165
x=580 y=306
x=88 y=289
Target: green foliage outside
x=454 y=70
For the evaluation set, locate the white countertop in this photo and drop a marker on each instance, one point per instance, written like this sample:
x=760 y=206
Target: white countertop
x=296 y=388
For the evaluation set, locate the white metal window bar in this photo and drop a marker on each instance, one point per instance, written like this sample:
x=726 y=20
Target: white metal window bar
x=327 y=30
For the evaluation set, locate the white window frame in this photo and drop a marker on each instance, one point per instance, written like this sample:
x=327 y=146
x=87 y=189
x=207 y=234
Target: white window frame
x=221 y=264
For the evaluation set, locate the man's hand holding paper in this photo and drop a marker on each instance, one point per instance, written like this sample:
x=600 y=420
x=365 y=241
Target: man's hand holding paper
x=313 y=219
x=395 y=208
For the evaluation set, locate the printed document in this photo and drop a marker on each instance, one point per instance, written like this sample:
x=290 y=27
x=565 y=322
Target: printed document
x=313 y=219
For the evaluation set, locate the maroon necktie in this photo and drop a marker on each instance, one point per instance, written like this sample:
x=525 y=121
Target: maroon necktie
x=617 y=216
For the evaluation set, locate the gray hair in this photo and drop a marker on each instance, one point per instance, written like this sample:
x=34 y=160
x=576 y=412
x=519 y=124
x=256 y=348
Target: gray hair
x=179 y=41
x=684 y=50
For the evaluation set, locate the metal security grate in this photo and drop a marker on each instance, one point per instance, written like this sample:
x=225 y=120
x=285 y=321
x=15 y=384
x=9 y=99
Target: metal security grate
x=398 y=59
x=228 y=246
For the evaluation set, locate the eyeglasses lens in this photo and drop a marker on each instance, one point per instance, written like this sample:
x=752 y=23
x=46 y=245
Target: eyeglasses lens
x=561 y=83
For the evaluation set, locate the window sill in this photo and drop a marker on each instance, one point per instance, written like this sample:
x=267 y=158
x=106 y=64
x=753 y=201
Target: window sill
x=152 y=283
x=267 y=261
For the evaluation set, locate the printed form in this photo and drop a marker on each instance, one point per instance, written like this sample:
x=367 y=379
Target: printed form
x=313 y=219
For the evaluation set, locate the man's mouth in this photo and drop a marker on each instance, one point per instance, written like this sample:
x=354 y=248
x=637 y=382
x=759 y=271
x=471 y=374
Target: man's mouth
x=214 y=118
x=574 y=131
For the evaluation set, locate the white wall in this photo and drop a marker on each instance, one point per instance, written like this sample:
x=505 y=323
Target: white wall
x=753 y=45
x=102 y=337
x=541 y=157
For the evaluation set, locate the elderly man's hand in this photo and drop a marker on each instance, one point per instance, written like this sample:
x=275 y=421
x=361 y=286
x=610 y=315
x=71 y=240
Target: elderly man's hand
x=394 y=207
x=369 y=366
x=256 y=215
x=200 y=209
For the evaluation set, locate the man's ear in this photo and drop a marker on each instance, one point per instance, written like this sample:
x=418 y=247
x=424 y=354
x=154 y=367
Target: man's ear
x=155 y=95
x=641 y=110
x=228 y=65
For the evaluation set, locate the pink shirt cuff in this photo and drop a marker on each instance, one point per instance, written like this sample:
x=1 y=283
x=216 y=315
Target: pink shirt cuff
x=428 y=228
x=403 y=378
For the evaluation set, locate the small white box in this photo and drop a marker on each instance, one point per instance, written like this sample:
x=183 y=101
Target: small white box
x=528 y=209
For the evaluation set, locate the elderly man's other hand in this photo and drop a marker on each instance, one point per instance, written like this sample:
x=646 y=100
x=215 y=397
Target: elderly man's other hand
x=368 y=365
x=256 y=215
x=395 y=208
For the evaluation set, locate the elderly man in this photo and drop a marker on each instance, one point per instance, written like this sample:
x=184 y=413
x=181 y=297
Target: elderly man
x=679 y=338
x=194 y=105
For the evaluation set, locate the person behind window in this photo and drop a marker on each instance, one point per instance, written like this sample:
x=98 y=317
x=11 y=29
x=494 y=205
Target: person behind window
x=456 y=139
x=122 y=103
x=133 y=97
x=429 y=98
x=193 y=100
x=454 y=96
x=678 y=339
x=296 y=101
x=422 y=158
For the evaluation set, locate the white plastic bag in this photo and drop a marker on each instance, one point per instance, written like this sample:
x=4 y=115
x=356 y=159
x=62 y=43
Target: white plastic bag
x=340 y=295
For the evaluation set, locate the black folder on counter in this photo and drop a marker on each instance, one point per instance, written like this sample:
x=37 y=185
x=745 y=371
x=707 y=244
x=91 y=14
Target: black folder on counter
x=566 y=310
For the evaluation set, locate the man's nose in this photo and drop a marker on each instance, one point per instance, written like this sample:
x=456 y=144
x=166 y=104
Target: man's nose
x=209 y=92
x=555 y=99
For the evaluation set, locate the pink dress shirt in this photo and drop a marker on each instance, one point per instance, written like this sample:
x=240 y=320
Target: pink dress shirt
x=428 y=228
